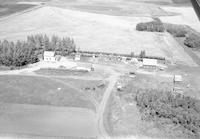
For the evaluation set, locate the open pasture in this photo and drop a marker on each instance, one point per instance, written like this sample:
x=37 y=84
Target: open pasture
x=39 y=121
x=41 y=91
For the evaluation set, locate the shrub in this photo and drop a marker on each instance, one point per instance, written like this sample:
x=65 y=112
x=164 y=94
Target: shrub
x=154 y=26
x=174 y=108
x=192 y=40
x=176 y=30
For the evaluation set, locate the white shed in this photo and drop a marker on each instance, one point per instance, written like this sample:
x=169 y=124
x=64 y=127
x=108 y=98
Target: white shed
x=178 y=78
x=49 y=56
x=77 y=57
x=150 y=63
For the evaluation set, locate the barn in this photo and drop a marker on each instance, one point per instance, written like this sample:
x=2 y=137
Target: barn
x=150 y=63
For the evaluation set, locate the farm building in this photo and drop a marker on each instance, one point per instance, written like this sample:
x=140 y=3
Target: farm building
x=77 y=57
x=150 y=63
x=49 y=56
x=178 y=78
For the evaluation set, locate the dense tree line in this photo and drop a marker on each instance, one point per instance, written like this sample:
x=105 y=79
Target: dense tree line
x=191 y=37
x=154 y=26
x=21 y=53
x=170 y=108
x=16 y=54
x=192 y=40
x=43 y=42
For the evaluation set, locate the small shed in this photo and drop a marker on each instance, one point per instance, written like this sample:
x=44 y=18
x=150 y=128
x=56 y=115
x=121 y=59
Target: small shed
x=77 y=57
x=150 y=63
x=178 y=78
x=49 y=56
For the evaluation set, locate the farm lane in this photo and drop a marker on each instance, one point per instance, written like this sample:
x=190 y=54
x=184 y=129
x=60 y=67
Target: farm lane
x=100 y=113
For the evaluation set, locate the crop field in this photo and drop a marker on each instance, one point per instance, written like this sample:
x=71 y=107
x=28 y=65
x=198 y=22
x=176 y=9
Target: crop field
x=94 y=32
x=8 y=9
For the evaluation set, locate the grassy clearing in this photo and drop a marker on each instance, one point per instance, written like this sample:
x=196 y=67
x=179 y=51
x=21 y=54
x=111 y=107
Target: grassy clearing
x=94 y=88
x=40 y=91
x=47 y=121
x=13 y=8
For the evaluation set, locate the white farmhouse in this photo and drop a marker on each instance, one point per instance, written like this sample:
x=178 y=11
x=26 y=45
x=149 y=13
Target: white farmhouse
x=49 y=56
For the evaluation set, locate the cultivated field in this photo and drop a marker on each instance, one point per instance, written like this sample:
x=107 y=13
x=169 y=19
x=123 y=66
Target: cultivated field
x=94 y=32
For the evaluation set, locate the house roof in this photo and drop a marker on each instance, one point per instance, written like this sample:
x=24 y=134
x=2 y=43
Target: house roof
x=49 y=53
x=150 y=62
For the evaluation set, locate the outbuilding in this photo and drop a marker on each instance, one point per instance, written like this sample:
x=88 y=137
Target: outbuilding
x=150 y=63
x=178 y=78
x=49 y=56
x=77 y=57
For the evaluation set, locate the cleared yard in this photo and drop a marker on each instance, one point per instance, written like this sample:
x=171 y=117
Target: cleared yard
x=22 y=120
x=40 y=91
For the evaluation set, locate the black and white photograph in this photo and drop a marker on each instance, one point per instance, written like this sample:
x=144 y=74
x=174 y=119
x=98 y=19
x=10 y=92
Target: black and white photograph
x=99 y=69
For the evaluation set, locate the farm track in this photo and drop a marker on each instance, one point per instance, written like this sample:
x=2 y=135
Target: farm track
x=100 y=113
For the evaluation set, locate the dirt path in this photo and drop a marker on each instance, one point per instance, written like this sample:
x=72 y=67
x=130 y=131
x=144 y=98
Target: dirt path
x=100 y=112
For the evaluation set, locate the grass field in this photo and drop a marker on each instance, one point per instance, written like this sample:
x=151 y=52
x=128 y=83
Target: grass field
x=40 y=91
x=94 y=88
x=39 y=121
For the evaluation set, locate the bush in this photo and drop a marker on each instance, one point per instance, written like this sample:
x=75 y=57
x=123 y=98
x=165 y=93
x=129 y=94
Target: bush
x=174 y=108
x=154 y=26
x=192 y=40
x=176 y=30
